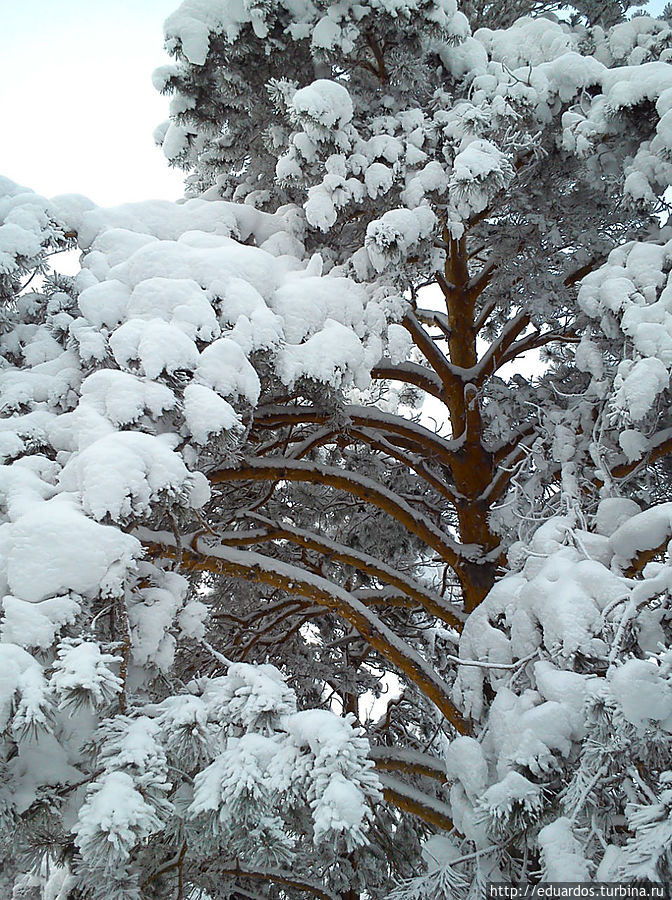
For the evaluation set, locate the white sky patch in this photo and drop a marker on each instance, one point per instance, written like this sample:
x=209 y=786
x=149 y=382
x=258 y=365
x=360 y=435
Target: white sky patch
x=78 y=103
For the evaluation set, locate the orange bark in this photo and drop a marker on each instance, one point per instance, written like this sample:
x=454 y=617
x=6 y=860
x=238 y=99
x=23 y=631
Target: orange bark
x=367 y=626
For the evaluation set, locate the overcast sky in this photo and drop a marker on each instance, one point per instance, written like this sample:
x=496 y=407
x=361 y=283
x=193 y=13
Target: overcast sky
x=78 y=106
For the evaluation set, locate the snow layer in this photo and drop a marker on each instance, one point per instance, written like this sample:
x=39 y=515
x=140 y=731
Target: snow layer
x=117 y=392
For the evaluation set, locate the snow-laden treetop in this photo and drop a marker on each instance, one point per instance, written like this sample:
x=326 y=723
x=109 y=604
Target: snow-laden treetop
x=348 y=109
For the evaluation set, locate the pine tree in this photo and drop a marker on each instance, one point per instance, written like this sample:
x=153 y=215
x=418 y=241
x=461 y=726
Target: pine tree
x=215 y=436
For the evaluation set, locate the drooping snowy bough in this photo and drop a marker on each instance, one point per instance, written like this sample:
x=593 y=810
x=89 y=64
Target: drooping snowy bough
x=227 y=531
x=120 y=388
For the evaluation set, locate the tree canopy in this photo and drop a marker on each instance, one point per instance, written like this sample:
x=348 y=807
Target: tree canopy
x=308 y=587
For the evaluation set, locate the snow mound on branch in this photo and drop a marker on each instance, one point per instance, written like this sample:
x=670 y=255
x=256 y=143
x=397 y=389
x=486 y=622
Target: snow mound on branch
x=528 y=42
x=19 y=674
x=179 y=301
x=30 y=224
x=342 y=808
x=169 y=311
x=152 y=614
x=154 y=346
x=633 y=289
x=646 y=530
x=389 y=238
x=53 y=547
x=338 y=800
x=614 y=512
x=556 y=601
x=105 y=303
x=113 y=819
x=624 y=88
x=561 y=853
x=643 y=692
x=322 y=106
x=466 y=763
x=36 y=624
x=166 y=295
x=164 y=220
x=224 y=367
x=637 y=387
x=123 y=398
x=250 y=695
x=480 y=171
x=207 y=414
x=83 y=674
x=124 y=474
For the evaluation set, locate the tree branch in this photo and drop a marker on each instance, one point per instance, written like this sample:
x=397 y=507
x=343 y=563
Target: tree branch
x=363 y=488
x=384 y=446
x=261 y=569
x=479 y=283
x=284 y=878
x=409 y=373
x=493 y=357
x=582 y=271
x=431 y=444
x=484 y=314
x=431 y=352
x=429 y=601
x=433 y=317
x=427 y=808
x=391 y=759
x=536 y=341
x=660 y=447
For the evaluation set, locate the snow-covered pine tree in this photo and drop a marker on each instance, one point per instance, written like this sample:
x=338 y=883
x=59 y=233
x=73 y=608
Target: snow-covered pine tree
x=382 y=206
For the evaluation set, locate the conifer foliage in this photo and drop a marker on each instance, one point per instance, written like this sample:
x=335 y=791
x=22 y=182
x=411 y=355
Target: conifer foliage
x=307 y=589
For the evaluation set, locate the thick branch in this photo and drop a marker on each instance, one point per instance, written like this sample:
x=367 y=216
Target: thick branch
x=378 y=56
x=432 y=317
x=431 y=444
x=506 y=469
x=536 y=341
x=582 y=271
x=425 y=598
x=427 y=808
x=643 y=557
x=263 y=570
x=660 y=446
x=284 y=878
x=417 y=465
x=484 y=314
x=480 y=282
x=389 y=759
x=363 y=488
x=503 y=452
x=494 y=355
x=386 y=597
x=410 y=373
x=430 y=351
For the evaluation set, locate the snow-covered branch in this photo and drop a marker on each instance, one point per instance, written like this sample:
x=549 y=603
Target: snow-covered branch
x=364 y=488
x=256 y=567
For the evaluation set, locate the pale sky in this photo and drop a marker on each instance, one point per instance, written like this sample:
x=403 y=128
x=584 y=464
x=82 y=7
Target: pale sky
x=78 y=106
